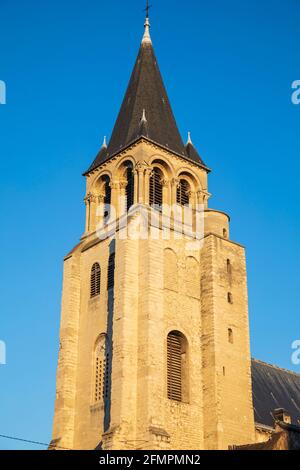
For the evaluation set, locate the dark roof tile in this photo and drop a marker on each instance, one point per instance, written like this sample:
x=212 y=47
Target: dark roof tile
x=273 y=388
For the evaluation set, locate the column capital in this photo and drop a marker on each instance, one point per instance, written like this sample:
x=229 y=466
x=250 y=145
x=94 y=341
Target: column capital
x=115 y=184
x=203 y=195
x=165 y=182
x=90 y=197
x=123 y=183
x=100 y=198
x=175 y=182
x=141 y=167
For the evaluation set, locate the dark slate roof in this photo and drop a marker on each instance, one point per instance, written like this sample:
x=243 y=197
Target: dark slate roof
x=146 y=91
x=273 y=388
x=101 y=157
x=192 y=153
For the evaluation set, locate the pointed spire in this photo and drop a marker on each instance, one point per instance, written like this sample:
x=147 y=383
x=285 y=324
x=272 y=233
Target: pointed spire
x=146 y=110
x=101 y=156
x=192 y=151
x=147 y=38
x=146 y=91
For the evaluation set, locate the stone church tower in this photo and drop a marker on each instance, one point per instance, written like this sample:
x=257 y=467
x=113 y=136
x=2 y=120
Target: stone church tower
x=154 y=339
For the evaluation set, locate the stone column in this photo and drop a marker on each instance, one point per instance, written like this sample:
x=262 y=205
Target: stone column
x=136 y=185
x=93 y=205
x=166 y=195
x=115 y=196
x=100 y=210
x=174 y=185
x=202 y=198
x=122 y=197
x=140 y=168
x=87 y=215
x=142 y=175
x=90 y=202
x=148 y=174
x=193 y=199
x=192 y=210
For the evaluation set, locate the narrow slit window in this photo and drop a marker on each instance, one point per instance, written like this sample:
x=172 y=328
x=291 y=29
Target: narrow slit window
x=229 y=267
x=111 y=272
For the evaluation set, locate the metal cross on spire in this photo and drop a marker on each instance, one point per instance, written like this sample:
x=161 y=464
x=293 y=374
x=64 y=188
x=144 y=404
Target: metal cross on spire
x=147 y=8
x=146 y=37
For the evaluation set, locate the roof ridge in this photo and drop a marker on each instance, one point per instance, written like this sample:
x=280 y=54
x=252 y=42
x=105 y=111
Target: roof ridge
x=276 y=367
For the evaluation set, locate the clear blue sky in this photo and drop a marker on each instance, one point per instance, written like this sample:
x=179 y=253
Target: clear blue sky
x=228 y=67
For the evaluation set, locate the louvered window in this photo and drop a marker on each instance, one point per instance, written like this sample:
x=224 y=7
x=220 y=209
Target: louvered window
x=111 y=272
x=156 y=189
x=174 y=366
x=129 y=187
x=183 y=190
x=95 y=280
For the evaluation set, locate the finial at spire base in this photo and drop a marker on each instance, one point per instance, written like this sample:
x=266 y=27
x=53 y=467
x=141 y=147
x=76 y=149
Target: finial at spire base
x=189 y=141
x=144 y=119
x=104 y=142
x=147 y=38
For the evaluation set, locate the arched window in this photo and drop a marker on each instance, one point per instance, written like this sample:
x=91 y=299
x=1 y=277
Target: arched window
x=130 y=186
x=183 y=193
x=230 y=335
x=95 y=280
x=156 y=189
x=230 y=298
x=107 y=197
x=111 y=272
x=177 y=373
x=101 y=382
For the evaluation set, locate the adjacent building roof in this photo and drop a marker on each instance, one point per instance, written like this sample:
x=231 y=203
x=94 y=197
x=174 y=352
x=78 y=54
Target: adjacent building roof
x=146 y=111
x=284 y=437
x=273 y=388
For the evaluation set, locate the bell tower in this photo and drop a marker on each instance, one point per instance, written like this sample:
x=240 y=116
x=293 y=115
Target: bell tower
x=154 y=338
